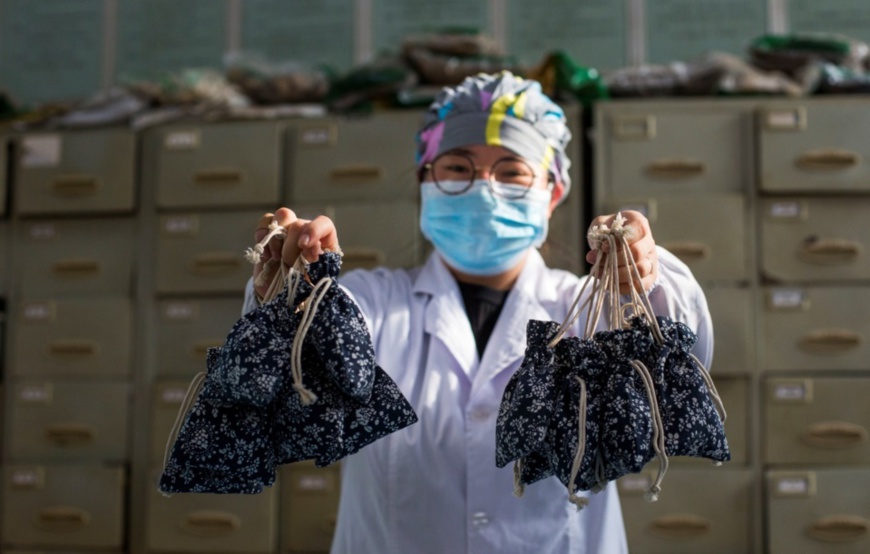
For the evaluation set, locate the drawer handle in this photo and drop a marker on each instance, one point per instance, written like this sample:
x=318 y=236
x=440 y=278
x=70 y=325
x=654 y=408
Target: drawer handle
x=210 y=523
x=362 y=258
x=76 y=267
x=839 y=528
x=680 y=526
x=827 y=159
x=219 y=177
x=200 y=349
x=75 y=185
x=71 y=349
x=357 y=172
x=216 y=263
x=70 y=434
x=834 y=434
x=62 y=519
x=831 y=341
x=688 y=251
x=676 y=169
x=830 y=251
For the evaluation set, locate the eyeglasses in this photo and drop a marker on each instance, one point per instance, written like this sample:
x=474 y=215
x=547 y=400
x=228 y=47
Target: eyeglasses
x=454 y=172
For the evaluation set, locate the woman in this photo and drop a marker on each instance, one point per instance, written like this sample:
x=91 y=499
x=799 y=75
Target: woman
x=492 y=167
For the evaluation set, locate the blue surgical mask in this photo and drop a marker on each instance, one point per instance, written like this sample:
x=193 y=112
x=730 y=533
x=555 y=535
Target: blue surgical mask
x=482 y=234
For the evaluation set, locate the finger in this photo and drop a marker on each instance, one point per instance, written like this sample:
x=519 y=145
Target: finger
x=285 y=217
x=290 y=250
x=317 y=236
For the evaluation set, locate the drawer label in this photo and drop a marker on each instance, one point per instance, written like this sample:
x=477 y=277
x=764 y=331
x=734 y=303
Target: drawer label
x=180 y=225
x=312 y=483
x=790 y=391
x=35 y=393
x=785 y=120
x=173 y=395
x=26 y=478
x=635 y=483
x=787 y=209
x=788 y=299
x=38 y=311
x=795 y=485
x=181 y=140
x=316 y=136
x=42 y=231
x=41 y=151
x=180 y=311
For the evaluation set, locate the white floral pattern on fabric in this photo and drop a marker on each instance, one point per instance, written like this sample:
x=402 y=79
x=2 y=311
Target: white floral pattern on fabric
x=249 y=418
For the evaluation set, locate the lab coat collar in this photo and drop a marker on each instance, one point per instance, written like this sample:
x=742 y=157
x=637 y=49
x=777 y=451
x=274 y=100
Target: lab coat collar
x=446 y=318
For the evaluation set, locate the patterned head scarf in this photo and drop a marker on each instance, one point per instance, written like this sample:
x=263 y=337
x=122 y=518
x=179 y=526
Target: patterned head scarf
x=498 y=110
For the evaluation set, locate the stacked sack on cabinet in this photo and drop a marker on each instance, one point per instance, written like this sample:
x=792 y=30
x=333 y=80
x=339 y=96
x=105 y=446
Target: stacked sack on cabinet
x=594 y=408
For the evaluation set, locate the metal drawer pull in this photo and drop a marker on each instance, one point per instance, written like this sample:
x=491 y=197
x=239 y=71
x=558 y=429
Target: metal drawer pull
x=834 y=434
x=831 y=341
x=830 y=251
x=210 y=523
x=200 y=349
x=76 y=185
x=676 y=169
x=62 y=519
x=688 y=251
x=72 y=349
x=839 y=528
x=680 y=526
x=219 y=177
x=215 y=263
x=827 y=159
x=70 y=434
x=76 y=267
x=357 y=172
x=362 y=258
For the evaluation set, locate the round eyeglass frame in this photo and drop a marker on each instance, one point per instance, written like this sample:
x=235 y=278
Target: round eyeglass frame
x=490 y=178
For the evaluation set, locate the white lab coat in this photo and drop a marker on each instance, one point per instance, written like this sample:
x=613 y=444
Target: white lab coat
x=434 y=486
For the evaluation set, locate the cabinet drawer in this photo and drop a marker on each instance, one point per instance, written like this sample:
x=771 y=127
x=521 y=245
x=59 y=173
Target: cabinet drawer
x=374 y=234
x=731 y=309
x=815 y=328
x=681 y=148
x=683 y=521
x=244 y=523
x=815 y=239
x=309 y=507
x=73 y=337
x=5 y=273
x=187 y=328
x=205 y=253
x=67 y=506
x=60 y=257
x=814 y=146
x=68 y=421
x=88 y=171
x=565 y=247
x=817 y=421
x=349 y=159
x=205 y=165
x=707 y=233
x=818 y=511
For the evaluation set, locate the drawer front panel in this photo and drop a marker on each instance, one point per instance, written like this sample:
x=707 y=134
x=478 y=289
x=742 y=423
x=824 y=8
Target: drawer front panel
x=309 y=507
x=815 y=328
x=817 y=421
x=90 y=171
x=731 y=309
x=187 y=328
x=79 y=507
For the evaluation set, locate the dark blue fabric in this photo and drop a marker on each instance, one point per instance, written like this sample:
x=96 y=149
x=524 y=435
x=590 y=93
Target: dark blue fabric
x=248 y=418
x=692 y=424
x=626 y=419
x=527 y=403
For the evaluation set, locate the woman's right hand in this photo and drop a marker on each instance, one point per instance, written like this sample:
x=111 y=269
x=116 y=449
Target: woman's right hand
x=308 y=238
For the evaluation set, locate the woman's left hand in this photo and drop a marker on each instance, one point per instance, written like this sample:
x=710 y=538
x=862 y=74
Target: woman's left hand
x=641 y=245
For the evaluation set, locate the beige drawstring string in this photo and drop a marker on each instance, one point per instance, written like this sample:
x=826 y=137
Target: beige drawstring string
x=658 y=428
x=313 y=301
x=519 y=487
x=189 y=398
x=255 y=254
x=579 y=501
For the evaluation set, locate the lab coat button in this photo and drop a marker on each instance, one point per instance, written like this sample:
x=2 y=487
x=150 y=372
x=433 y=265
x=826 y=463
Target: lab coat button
x=479 y=519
